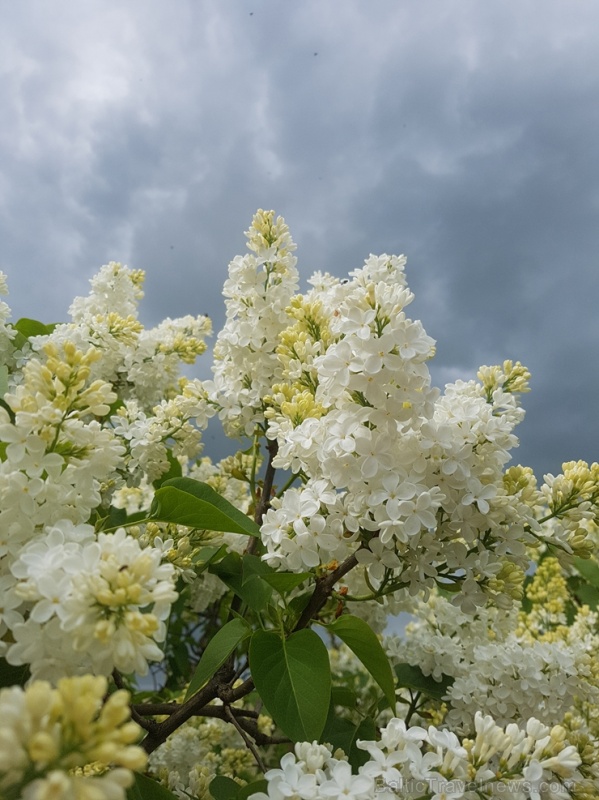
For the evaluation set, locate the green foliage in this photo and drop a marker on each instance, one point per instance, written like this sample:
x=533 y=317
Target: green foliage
x=285 y=582
x=184 y=501
x=293 y=678
x=13 y=676
x=410 y=677
x=174 y=471
x=343 y=733
x=219 y=648
x=363 y=642
x=585 y=585
x=145 y=788
x=222 y=788
x=244 y=574
x=32 y=327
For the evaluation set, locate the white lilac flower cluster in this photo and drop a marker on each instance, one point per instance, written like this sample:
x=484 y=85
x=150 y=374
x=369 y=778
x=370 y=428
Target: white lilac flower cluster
x=258 y=292
x=198 y=751
x=496 y=666
x=89 y=603
x=142 y=363
x=526 y=763
x=74 y=601
x=392 y=471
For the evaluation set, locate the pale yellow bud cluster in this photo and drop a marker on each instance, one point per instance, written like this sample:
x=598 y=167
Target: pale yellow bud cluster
x=312 y=318
x=548 y=587
x=123 y=329
x=48 y=736
x=588 y=750
x=302 y=341
x=302 y=406
x=509 y=377
x=573 y=499
x=584 y=479
x=578 y=484
x=581 y=543
x=61 y=381
x=521 y=481
x=549 y=596
x=137 y=278
x=238 y=466
x=266 y=232
x=187 y=348
x=294 y=405
x=509 y=582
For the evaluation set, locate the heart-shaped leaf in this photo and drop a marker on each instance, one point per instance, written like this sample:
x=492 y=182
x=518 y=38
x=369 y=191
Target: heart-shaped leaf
x=293 y=678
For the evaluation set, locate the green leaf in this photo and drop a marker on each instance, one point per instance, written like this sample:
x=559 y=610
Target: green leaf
x=342 y=696
x=116 y=517
x=184 y=501
x=31 y=327
x=366 y=731
x=206 y=556
x=293 y=678
x=145 y=788
x=217 y=651
x=584 y=593
x=245 y=576
x=284 y=582
x=413 y=678
x=296 y=607
x=13 y=676
x=340 y=732
x=256 y=786
x=589 y=570
x=364 y=643
x=526 y=603
x=222 y=788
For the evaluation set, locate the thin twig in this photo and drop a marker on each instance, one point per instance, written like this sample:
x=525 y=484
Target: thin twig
x=248 y=742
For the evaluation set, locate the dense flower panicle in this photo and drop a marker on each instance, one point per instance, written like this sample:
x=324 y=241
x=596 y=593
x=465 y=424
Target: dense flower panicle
x=48 y=735
x=499 y=665
x=414 y=762
x=258 y=292
x=92 y=604
x=143 y=364
x=412 y=475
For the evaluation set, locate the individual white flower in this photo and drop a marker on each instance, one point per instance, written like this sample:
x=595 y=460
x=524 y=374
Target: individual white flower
x=342 y=783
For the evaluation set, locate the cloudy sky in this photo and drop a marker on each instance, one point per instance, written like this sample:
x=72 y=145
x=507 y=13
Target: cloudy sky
x=463 y=133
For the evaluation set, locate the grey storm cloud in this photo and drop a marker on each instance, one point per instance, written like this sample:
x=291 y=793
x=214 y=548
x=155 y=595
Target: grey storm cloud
x=461 y=133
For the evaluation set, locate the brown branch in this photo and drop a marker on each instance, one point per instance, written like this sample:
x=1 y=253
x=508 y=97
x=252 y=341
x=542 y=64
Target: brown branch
x=166 y=709
x=193 y=707
x=262 y=739
x=322 y=591
x=264 y=503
